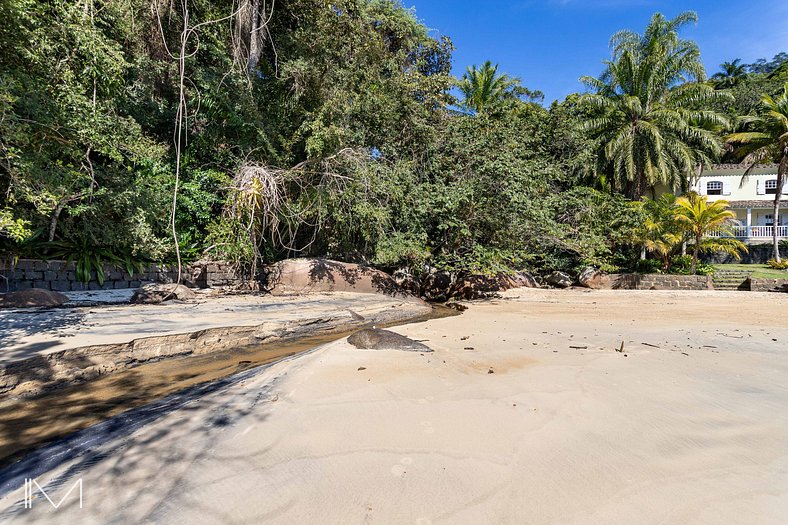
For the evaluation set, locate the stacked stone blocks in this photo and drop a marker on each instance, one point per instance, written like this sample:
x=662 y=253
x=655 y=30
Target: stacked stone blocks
x=61 y=276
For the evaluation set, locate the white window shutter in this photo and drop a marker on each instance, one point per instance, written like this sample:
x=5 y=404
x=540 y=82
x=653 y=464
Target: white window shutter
x=726 y=187
x=702 y=187
x=760 y=188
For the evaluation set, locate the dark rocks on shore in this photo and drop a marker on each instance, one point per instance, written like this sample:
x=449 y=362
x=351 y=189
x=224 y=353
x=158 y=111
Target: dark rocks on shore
x=407 y=281
x=444 y=286
x=559 y=280
x=32 y=298
x=154 y=293
x=437 y=286
x=379 y=339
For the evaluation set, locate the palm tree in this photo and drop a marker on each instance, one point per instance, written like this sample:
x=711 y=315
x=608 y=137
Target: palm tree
x=649 y=118
x=484 y=88
x=700 y=218
x=661 y=234
x=731 y=74
x=767 y=141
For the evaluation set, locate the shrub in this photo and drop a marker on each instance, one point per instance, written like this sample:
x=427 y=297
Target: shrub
x=782 y=265
x=682 y=265
x=648 y=266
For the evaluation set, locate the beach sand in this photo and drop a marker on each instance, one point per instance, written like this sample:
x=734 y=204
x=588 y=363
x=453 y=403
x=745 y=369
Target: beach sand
x=524 y=413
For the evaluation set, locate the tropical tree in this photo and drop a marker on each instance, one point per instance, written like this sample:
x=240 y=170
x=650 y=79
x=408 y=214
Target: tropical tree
x=732 y=73
x=483 y=88
x=662 y=235
x=650 y=113
x=699 y=218
x=766 y=140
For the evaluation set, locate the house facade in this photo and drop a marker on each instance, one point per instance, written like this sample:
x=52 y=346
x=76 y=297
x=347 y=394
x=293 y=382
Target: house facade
x=751 y=198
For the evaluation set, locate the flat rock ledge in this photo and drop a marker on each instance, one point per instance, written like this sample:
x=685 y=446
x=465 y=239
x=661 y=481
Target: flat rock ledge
x=378 y=339
x=34 y=375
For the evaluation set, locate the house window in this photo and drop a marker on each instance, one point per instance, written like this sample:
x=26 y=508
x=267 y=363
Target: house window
x=714 y=187
x=768 y=219
x=771 y=187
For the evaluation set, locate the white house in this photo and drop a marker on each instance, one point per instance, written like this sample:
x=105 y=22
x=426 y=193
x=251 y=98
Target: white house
x=751 y=198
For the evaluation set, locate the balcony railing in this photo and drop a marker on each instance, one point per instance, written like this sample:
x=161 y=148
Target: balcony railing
x=751 y=232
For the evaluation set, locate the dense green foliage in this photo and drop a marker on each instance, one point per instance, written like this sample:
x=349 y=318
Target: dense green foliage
x=328 y=129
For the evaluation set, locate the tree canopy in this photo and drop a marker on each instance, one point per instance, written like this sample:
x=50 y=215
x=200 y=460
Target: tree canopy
x=332 y=129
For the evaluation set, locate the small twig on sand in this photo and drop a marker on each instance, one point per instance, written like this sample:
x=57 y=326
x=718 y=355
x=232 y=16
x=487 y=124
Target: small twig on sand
x=622 y=347
x=649 y=344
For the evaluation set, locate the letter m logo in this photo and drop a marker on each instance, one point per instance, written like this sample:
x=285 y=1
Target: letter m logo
x=31 y=485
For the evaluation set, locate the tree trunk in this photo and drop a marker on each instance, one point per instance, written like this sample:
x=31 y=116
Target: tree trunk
x=695 y=252
x=254 y=37
x=781 y=170
x=643 y=252
x=57 y=211
x=53 y=220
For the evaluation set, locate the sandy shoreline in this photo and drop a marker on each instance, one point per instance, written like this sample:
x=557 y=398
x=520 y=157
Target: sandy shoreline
x=690 y=427
x=46 y=349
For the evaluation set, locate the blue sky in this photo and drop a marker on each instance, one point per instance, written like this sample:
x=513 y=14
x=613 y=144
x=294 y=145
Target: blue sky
x=549 y=44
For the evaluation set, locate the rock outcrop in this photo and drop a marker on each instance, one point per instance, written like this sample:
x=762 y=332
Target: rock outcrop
x=407 y=281
x=154 y=293
x=559 y=280
x=593 y=278
x=301 y=276
x=437 y=286
x=444 y=286
x=32 y=298
x=378 y=339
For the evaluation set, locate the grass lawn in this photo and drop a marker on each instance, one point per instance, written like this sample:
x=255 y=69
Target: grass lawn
x=759 y=271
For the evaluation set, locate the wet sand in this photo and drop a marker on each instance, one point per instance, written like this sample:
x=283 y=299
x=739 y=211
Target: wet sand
x=27 y=423
x=524 y=413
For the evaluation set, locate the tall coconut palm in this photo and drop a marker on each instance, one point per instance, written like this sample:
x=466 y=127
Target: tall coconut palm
x=649 y=118
x=766 y=140
x=699 y=218
x=484 y=88
x=732 y=73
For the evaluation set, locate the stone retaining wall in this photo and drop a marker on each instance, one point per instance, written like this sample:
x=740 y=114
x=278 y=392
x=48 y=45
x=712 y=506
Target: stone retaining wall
x=768 y=285
x=633 y=281
x=61 y=276
x=756 y=254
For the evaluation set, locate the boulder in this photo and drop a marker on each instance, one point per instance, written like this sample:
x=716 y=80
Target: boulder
x=443 y=286
x=378 y=339
x=437 y=286
x=153 y=293
x=476 y=286
x=559 y=280
x=407 y=281
x=32 y=298
x=302 y=276
x=593 y=278
x=525 y=280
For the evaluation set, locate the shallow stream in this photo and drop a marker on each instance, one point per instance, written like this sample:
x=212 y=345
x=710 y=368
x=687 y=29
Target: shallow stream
x=27 y=423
